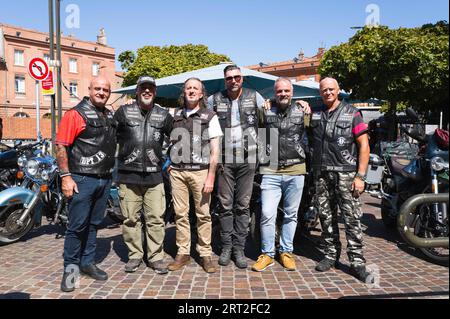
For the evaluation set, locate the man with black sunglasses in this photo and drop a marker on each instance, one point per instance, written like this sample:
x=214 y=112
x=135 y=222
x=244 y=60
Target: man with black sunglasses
x=238 y=112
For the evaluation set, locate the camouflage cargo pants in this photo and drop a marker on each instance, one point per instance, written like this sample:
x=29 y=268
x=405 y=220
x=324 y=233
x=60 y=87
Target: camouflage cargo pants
x=333 y=189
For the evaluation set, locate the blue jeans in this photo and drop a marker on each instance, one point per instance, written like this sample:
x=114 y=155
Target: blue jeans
x=86 y=212
x=272 y=188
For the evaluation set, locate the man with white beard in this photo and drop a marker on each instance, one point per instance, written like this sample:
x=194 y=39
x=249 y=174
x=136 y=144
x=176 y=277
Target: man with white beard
x=140 y=134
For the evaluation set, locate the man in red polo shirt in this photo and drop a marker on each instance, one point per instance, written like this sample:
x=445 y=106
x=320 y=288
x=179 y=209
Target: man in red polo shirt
x=86 y=145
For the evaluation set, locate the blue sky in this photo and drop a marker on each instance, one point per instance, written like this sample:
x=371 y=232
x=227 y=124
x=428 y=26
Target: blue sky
x=248 y=31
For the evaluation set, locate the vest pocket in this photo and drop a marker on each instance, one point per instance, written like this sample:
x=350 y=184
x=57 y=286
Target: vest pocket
x=343 y=128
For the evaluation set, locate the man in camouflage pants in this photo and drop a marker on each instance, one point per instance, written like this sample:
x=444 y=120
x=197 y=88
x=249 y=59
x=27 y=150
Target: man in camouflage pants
x=340 y=159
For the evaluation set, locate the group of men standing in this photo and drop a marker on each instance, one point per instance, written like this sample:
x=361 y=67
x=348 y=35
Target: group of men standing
x=220 y=141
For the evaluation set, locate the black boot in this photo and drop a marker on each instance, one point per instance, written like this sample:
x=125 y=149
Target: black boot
x=360 y=272
x=239 y=259
x=326 y=264
x=225 y=257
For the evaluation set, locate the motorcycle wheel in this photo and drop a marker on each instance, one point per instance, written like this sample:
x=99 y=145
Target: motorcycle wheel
x=10 y=231
x=437 y=255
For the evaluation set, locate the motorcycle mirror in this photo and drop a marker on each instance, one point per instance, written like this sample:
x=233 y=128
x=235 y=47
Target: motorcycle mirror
x=17 y=143
x=412 y=114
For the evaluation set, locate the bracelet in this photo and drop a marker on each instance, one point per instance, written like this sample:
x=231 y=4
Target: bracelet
x=361 y=176
x=65 y=174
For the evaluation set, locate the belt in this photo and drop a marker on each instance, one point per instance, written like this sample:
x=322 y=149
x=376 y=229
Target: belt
x=100 y=176
x=190 y=167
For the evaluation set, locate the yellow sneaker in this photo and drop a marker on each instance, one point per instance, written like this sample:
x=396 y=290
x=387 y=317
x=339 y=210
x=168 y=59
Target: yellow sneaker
x=288 y=261
x=264 y=261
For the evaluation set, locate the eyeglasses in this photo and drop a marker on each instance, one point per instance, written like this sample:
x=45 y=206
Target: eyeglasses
x=236 y=78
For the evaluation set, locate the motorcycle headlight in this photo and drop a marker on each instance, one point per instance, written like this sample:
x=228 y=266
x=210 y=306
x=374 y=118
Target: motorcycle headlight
x=438 y=164
x=45 y=175
x=32 y=167
x=22 y=161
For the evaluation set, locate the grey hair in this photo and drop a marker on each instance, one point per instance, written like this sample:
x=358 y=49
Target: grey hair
x=283 y=79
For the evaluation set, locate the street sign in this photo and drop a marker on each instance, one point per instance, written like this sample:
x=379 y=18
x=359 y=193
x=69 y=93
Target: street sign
x=38 y=69
x=48 y=85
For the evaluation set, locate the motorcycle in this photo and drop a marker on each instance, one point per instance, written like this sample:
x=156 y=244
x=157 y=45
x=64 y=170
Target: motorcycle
x=8 y=161
x=426 y=173
x=21 y=207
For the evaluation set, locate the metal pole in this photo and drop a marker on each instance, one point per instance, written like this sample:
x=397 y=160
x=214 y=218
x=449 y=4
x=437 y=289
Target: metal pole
x=441 y=121
x=52 y=58
x=38 y=112
x=58 y=58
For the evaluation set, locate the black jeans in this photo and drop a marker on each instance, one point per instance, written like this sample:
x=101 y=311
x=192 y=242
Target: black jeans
x=235 y=184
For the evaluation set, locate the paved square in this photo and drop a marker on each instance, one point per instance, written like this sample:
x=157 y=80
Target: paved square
x=32 y=268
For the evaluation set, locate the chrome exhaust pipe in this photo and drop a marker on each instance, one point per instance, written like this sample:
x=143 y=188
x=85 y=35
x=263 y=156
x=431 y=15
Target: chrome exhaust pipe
x=407 y=213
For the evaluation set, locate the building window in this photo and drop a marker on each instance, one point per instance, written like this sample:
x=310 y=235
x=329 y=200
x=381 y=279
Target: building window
x=19 y=84
x=73 y=67
x=19 y=58
x=73 y=89
x=95 y=68
x=21 y=115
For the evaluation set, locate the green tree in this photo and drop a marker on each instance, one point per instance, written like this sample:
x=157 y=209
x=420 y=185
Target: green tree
x=160 y=62
x=405 y=67
x=126 y=59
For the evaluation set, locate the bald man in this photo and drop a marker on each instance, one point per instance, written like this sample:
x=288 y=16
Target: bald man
x=340 y=159
x=86 y=145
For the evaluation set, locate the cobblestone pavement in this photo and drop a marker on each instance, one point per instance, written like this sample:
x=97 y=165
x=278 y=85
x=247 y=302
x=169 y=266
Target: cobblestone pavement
x=32 y=268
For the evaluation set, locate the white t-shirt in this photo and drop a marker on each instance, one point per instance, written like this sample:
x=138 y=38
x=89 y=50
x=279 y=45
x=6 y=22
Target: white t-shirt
x=214 y=129
x=236 y=129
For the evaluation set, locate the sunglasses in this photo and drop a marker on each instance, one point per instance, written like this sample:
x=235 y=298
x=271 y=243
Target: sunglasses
x=236 y=78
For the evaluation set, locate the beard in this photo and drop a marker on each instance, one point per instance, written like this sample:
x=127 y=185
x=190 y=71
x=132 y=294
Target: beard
x=145 y=102
x=284 y=102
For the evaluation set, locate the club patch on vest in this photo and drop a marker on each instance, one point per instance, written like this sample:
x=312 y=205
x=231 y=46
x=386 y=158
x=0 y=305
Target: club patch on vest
x=157 y=117
x=348 y=117
x=341 y=141
x=91 y=114
x=222 y=107
x=316 y=116
x=251 y=119
x=132 y=157
x=157 y=136
x=93 y=160
x=152 y=157
x=348 y=157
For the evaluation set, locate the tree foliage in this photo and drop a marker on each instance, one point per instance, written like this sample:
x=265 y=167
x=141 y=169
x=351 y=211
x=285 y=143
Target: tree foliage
x=160 y=62
x=126 y=59
x=405 y=67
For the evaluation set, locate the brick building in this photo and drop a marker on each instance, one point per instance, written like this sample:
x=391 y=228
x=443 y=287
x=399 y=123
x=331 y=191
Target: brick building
x=300 y=68
x=80 y=61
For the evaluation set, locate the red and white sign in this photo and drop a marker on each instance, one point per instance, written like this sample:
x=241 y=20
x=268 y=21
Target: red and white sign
x=38 y=69
x=48 y=85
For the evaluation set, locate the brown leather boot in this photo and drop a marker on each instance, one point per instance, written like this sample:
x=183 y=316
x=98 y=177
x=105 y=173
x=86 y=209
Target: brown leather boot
x=208 y=265
x=179 y=262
